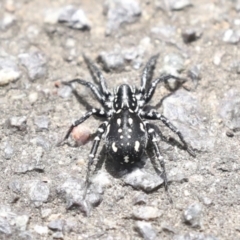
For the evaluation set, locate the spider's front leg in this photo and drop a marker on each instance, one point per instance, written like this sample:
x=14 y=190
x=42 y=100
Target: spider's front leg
x=96 y=112
x=153 y=115
x=97 y=139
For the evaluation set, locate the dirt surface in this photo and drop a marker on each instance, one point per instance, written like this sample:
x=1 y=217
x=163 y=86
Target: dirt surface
x=42 y=44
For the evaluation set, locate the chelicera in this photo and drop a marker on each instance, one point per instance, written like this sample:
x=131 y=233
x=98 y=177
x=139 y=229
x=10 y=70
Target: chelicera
x=125 y=120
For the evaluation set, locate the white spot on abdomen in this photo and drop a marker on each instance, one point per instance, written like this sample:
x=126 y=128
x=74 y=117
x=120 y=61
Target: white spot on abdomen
x=119 y=121
x=136 y=146
x=126 y=159
x=130 y=121
x=114 y=148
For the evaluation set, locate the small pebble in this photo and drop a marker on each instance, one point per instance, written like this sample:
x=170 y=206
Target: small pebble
x=18 y=122
x=231 y=36
x=7 y=21
x=119 y=12
x=140 y=179
x=56 y=225
x=21 y=222
x=8 y=151
x=41 y=122
x=146 y=213
x=65 y=91
x=111 y=61
x=146 y=230
x=192 y=215
x=9 y=71
x=35 y=63
x=33 y=97
x=39 y=193
x=140 y=199
x=190 y=35
x=42 y=230
x=179 y=4
x=74 y=18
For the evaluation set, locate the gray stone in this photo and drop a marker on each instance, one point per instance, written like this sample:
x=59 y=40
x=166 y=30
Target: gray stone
x=39 y=193
x=18 y=122
x=5 y=227
x=141 y=179
x=179 y=4
x=185 y=112
x=42 y=230
x=74 y=18
x=229 y=109
x=72 y=191
x=194 y=236
x=119 y=12
x=140 y=199
x=9 y=71
x=56 y=225
x=192 y=215
x=65 y=91
x=146 y=230
x=21 y=222
x=35 y=63
x=7 y=21
x=15 y=186
x=231 y=36
x=111 y=61
x=42 y=122
x=8 y=151
x=146 y=213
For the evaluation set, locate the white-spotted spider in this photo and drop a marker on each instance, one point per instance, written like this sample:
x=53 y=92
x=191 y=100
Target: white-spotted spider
x=127 y=131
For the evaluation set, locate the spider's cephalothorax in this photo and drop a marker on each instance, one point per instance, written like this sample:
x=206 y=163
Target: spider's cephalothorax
x=127 y=131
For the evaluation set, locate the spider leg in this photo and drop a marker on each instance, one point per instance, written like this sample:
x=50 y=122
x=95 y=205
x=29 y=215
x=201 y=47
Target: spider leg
x=148 y=73
x=97 y=139
x=149 y=94
x=153 y=115
x=100 y=97
x=153 y=138
x=97 y=76
x=95 y=112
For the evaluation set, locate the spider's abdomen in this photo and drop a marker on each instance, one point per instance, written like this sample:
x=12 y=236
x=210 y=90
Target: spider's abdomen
x=126 y=137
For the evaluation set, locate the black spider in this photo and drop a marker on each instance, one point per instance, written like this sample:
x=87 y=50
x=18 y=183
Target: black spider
x=127 y=133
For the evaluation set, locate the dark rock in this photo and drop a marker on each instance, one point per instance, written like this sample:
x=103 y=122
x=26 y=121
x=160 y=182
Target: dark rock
x=190 y=35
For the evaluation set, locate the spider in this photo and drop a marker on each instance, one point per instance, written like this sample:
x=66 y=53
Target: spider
x=127 y=131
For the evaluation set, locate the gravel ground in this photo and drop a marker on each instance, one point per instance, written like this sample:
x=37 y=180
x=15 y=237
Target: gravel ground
x=41 y=185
